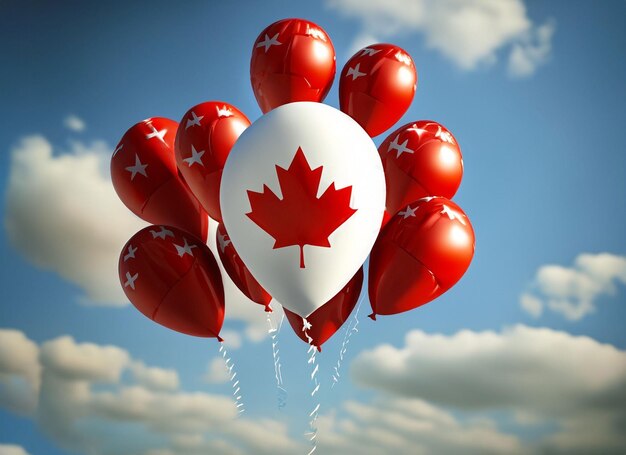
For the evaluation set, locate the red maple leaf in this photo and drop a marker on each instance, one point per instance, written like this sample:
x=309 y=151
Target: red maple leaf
x=300 y=217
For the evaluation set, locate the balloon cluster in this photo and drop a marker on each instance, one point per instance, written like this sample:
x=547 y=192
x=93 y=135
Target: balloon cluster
x=303 y=175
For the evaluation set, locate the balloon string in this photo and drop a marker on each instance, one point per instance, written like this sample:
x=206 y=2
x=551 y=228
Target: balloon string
x=350 y=329
x=232 y=374
x=273 y=332
x=313 y=415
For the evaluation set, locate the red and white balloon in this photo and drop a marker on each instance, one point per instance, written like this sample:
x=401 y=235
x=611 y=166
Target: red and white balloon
x=292 y=60
x=302 y=196
x=377 y=86
x=146 y=179
x=173 y=279
x=422 y=252
x=420 y=159
x=207 y=133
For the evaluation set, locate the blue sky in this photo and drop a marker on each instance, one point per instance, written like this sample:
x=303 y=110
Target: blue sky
x=543 y=185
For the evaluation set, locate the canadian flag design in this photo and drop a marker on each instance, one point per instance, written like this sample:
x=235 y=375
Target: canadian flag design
x=302 y=197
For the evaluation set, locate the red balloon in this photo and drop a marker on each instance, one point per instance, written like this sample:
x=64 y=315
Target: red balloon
x=238 y=272
x=328 y=318
x=423 y=251
x=292 y=60
x=376 y=86
x=208 y=131
x=146 y=179
x=420 y=159
x=173 y=278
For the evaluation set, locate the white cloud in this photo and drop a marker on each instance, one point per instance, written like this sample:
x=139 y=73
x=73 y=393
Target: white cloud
x=74 y=123
x=83 y=362
x=469 y=33
x=532 y=305
x=86 y=404
x=532 y=52
x=12 y=449
x=541 y=374
x=232 y=338
x=80 y=415
x=63 y=214
x=573 y=291
x=154 y=378
x=216 y=372
x=404 y=426
x=438 y=396
x=19 y=372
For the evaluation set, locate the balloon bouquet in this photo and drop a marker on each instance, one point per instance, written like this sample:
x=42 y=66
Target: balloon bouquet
x=302 y=195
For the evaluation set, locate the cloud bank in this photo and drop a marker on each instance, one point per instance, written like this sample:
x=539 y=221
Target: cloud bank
x=98 y=399
x=573 y=291
x=436 y=394
x=12 y=449
x=538 y=376
x=74 y=123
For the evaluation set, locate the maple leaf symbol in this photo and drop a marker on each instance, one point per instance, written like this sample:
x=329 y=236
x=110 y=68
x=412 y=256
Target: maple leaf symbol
x=300 y=217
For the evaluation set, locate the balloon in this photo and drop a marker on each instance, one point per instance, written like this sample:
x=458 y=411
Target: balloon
x=302 y=198
x=145 y=177
x=203 y=143
x=420 y=159
x=328 y=318
x=376 y=86
x=292 y=60
x=420 y=254
x=238 y=272
x=173 y=278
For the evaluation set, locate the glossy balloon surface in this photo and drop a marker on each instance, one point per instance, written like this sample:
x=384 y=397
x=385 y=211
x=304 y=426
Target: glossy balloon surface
x=146 y=179
x=173 y=278
x=422 y=252
x=328 y=318
x=207 y=133
x=302 y=196
x=377 y=86
x=420 y=159
x=238 y=272
x=292 y=60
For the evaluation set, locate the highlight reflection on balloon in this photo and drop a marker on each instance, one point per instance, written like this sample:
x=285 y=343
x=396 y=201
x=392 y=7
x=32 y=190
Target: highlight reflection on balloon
x=292 y=60
x=377 y=86
x=421 y=253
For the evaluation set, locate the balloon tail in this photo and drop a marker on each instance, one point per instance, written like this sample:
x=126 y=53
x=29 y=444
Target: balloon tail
x=350 y=329
x=313 y=415
x=372 y=316
x=234 y=382
x=273 y=332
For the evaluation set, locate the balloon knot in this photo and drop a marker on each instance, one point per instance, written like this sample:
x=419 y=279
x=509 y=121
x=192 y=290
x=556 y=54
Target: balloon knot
x=319 y=348
x=372 y=316
x=219 y=338
x=268 y=309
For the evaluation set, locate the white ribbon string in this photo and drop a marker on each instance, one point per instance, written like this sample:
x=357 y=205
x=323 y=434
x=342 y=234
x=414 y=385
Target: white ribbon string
x=350 y=329
x=273 y=332
x=232 y=375
x=312 y=352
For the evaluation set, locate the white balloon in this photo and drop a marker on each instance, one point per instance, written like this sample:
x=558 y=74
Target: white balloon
x=348 y=157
